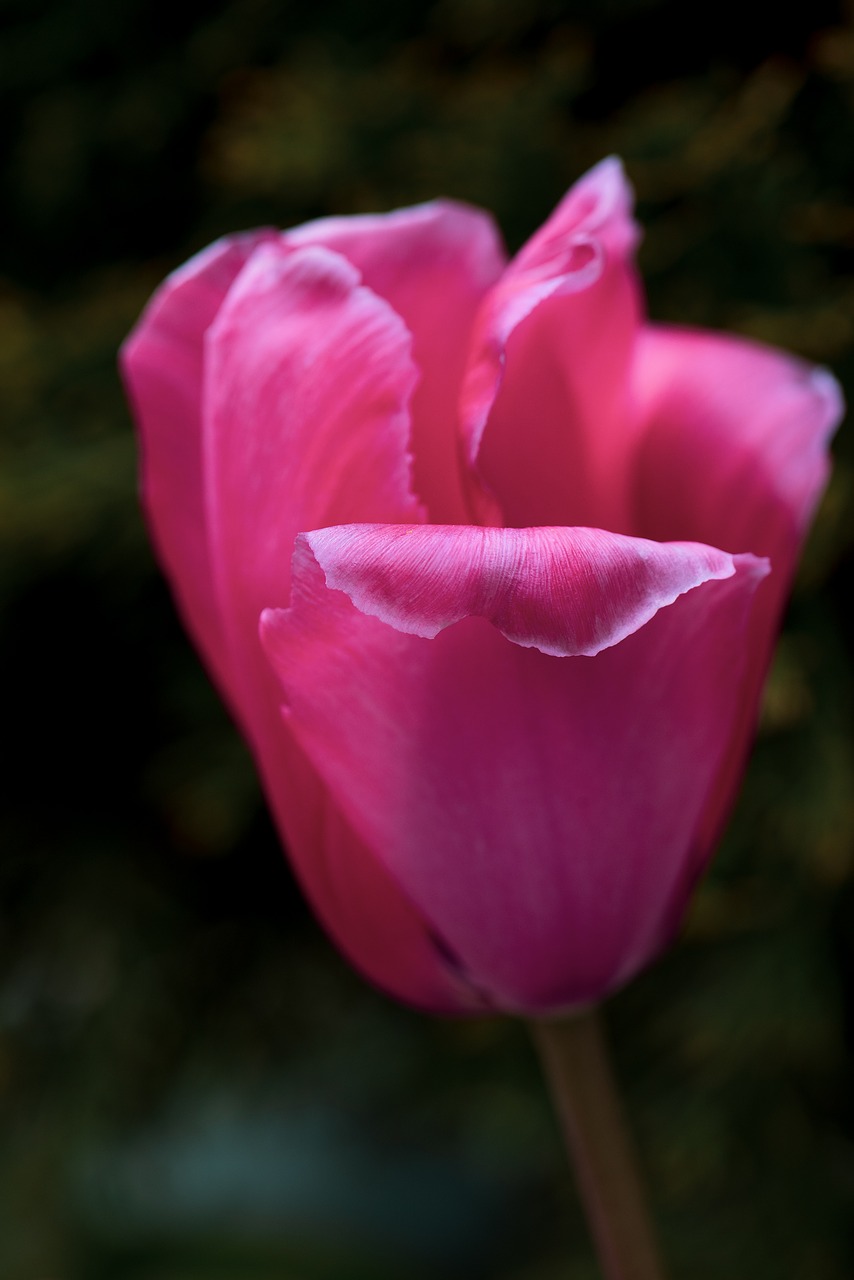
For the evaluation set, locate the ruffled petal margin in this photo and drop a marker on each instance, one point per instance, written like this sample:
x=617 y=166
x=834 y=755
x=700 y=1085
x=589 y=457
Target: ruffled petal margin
x=539 y=811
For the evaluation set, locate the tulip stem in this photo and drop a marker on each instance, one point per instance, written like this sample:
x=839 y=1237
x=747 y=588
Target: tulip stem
x=575 y=1060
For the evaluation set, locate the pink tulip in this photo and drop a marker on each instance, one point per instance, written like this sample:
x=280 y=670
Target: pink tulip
x=488 y=569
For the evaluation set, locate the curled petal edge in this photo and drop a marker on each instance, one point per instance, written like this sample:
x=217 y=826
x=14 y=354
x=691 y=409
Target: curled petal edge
x=413 y=735
x=591 y=225
x=565 y=591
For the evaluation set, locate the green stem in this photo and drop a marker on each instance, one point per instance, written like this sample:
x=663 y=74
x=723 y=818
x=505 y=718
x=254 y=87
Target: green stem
x=575 y=1061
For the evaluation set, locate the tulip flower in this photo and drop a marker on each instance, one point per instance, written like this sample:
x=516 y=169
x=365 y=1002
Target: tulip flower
x=488 y=568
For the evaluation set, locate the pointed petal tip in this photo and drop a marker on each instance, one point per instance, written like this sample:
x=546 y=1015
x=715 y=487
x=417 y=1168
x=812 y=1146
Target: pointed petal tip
x=583 y=253
x=608 y=179
x=601 y=203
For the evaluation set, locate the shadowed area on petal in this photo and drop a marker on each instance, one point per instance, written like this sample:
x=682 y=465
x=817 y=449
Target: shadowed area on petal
x=539 y=810
x=365 y=909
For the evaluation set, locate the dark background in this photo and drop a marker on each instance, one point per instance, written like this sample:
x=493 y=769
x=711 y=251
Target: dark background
x=193 y=1086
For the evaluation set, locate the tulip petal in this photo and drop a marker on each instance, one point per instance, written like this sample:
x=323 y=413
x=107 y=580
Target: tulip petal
x=733 y=450
x=432 y=264
x=733 y=446
x=544 y=397
x=358 y=901
x=162 y=366
x=539 y=811
x=307 y=380
x=563 y=591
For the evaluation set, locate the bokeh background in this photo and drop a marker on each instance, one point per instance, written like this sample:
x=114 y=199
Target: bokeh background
x=193 y=1086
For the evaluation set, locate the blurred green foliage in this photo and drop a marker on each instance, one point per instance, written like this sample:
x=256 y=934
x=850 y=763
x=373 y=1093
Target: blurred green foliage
x=193 y=1086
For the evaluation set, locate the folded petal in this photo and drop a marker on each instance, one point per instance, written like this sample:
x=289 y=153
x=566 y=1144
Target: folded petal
x=308 y=378
x=539 y=811
x=545 y=394
x=563 y=591
x=162 y=366
x=433 y=264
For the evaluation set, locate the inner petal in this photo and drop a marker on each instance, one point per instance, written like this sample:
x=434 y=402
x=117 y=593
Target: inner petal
x=558 y=446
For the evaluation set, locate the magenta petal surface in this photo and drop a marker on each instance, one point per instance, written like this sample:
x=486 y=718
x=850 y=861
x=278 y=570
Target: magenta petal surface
x=432 y=264
x=733 y=449
x=545 y=393
x=162 y=364
x=536 y=809
x=563 y=591
x=733 y=441
x=303 y=362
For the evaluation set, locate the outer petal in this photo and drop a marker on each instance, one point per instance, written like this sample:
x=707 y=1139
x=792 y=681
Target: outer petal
x=545 y=394
x=433 y=263
x=307 y=380
x=162 y=366
x=733 y=449
x=733 y=441
x=563 y=591
x=540 y=811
